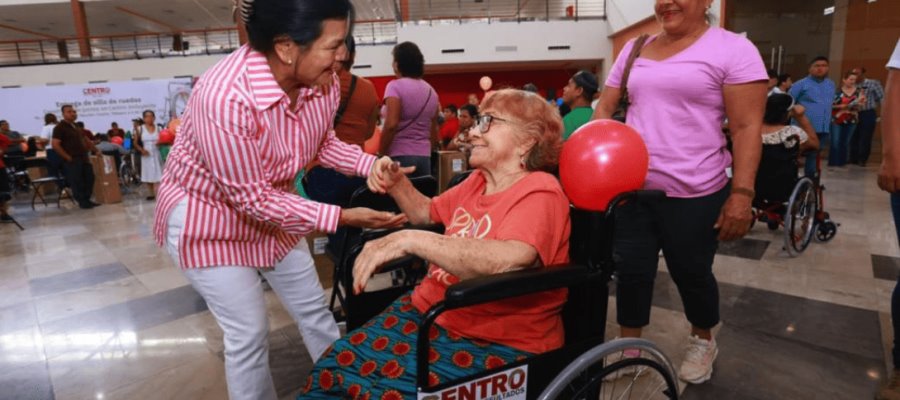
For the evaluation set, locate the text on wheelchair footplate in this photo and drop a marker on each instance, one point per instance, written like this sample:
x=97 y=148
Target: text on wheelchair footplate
x=510 y=384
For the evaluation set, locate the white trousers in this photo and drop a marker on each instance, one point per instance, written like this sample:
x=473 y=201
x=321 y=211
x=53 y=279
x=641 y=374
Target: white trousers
x=234 y=295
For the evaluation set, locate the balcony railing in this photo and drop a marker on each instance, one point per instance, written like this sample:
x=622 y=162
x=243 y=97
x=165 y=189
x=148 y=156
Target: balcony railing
x=366 y=32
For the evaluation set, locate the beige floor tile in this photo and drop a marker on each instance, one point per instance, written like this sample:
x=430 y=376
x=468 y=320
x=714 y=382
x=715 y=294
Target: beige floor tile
x=162 y=279
x=200 y=379
x=102 y=362
x=67 y=304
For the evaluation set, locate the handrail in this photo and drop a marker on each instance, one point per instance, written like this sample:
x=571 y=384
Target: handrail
x=225 y=40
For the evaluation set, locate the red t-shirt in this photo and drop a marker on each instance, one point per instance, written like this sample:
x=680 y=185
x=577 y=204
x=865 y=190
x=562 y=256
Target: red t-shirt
x=534 y=211
x=4 y=143
x=449 y=129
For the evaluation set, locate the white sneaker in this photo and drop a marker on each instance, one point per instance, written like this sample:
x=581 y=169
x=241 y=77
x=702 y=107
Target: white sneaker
x=635 y=370
x=698 y=360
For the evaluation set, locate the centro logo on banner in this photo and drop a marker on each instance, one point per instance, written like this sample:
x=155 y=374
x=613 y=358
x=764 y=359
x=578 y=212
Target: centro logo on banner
x=504 y=385
x=96 y=91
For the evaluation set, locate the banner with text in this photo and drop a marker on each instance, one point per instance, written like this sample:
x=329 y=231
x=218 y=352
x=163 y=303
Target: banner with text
x=98 y=105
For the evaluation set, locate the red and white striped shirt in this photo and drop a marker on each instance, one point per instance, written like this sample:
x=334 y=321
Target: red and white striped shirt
x=235 y=158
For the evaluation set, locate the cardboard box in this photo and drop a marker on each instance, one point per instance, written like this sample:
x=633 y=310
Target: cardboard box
x=106 y=180
x=324 y=266
x=450 y=164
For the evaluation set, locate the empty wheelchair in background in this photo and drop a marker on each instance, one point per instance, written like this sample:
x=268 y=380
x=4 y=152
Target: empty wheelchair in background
x=575 y=371
x=784 y=200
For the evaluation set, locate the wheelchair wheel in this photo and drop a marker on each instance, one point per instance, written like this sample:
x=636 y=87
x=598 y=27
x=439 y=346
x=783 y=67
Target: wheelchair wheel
x=602 y=373
x=128 y=178
x=826 y=231
x=800 y=217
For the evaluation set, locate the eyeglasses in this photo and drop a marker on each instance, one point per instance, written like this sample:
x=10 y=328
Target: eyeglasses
x=483 y=122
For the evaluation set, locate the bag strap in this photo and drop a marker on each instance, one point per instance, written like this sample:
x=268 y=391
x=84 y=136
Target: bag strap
x=419 y=114
x=629 y=63
x=343 y=107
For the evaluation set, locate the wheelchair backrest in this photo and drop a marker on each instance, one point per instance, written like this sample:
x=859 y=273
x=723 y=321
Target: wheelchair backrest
x=777 y=173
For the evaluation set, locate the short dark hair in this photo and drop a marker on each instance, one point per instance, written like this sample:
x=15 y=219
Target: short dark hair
x=772 y=73
x=79 y=124
x=783 y=78
x=115 y=123
x=778 y=109
x=530 y=87
x=409 y=59
x=144 y=114
x=587 y=82
x=452 y=108
x=49 y=118
x=103 y=137
x=470 y=108
x=819 y=58
x=3 y=121
x=300 y=20
x=65 y=106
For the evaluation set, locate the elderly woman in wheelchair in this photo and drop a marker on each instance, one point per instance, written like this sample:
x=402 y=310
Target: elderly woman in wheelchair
x=507 y=215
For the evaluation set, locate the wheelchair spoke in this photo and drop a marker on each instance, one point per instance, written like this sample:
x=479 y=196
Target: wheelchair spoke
x=629 y=388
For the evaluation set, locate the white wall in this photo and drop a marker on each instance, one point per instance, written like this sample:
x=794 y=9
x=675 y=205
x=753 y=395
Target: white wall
x=153 y=68
x=587 y=40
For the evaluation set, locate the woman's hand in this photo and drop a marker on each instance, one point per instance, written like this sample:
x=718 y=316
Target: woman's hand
x=377 y=253
x=362 y=217
x=376 y=176
x=735 y=217
x=145 y=152
x=386 y=173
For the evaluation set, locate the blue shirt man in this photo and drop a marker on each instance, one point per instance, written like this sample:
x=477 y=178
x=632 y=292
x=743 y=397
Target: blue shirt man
x=816 y=94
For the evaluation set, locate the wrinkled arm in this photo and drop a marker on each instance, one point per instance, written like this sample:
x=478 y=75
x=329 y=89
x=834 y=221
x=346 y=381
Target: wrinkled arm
x=413 y=203
x=466 y=258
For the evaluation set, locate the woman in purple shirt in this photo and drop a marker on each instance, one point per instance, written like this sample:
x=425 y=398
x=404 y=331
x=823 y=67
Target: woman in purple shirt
x=411 y=111
x=687 y=80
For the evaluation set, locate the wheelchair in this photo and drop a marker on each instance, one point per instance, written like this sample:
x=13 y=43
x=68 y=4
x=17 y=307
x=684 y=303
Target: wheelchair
x=129 y=177
x=784 y=200
x=575 y=371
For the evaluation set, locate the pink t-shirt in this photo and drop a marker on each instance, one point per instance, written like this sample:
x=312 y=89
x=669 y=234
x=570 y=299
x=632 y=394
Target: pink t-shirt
x=677 y=106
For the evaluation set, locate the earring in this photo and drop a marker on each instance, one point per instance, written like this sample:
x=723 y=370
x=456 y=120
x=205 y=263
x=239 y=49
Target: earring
x=289 y=61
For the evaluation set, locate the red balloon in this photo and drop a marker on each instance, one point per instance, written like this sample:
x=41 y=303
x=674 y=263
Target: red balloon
x=117 y=140
x=601 y=160
x=166 y=137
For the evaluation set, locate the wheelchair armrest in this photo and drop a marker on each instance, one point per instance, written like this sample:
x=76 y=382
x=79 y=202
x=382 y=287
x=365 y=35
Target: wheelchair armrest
x=512 y=284
x=491 y=288
x=372 y=234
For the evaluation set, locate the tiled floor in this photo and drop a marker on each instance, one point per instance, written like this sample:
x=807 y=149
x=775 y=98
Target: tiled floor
x=91 y=309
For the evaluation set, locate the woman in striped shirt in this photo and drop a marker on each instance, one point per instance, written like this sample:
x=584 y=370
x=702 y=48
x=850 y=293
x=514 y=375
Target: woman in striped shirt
x=226 y=204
